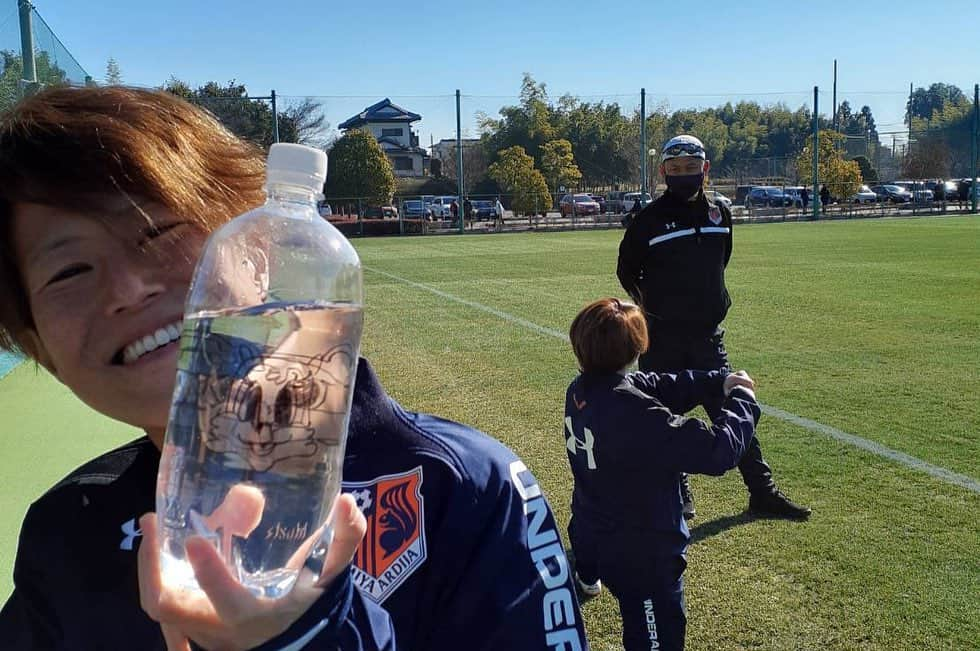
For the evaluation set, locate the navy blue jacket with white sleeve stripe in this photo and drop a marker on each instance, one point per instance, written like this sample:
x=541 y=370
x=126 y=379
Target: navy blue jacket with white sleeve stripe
x=672 y=262
x=461 y=551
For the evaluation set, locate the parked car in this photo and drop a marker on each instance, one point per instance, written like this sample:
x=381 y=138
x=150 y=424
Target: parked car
x=767 y=195
x=629 y=199
x=963 y=189
x=795 y=194
x=601 y=200
x=483 y=209
x=416 y=209
x=920 y=194
x=864 y=195
x=439 y=207
x=325 y=210
x=948 y=191
x=584 y=205
x=892 y=193
x=965 y=186
x=941 y=190
x=614 y=202
x=380 y=212
x=717 y=197
x=741 y=192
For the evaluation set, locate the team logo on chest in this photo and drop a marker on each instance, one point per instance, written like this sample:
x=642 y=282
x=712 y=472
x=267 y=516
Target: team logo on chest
x=714 y=214
x=394 y=545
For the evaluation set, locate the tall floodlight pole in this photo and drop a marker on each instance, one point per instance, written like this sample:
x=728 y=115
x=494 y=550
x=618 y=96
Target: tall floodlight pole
x=29 y=75
x=816 y=153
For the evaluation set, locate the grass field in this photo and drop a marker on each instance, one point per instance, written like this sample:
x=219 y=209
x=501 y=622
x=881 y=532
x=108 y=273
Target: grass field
x=871 y=327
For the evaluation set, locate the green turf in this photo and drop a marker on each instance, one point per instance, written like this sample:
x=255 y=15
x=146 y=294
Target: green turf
x=872 y=327
x=45 y=433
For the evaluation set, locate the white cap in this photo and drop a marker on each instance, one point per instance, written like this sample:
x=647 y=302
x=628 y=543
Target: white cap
x=298 y=165
x=680 y=146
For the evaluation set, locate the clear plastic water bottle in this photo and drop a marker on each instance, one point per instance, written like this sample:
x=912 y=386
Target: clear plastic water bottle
x=255 y=443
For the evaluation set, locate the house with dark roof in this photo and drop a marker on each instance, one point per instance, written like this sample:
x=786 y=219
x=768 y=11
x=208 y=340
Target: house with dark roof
x=391 y=125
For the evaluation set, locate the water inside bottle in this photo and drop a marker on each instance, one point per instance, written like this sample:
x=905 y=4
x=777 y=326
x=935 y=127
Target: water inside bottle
x=255 y=444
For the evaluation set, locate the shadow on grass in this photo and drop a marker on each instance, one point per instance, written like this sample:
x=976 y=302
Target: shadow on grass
x=714 y=527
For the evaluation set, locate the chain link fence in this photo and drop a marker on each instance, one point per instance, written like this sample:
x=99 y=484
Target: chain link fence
x=53 y=63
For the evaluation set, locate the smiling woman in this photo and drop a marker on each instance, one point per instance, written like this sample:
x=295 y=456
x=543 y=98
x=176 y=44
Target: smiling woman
x=204 y=173
x=99 y=290
x=106 y=198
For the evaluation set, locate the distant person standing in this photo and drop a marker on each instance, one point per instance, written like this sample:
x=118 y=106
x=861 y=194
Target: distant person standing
x=454 y=211
x=672 y=262
x=805 y=198
x=498 y=214
x=824 y=197
x=632 y=213
x=467 y=209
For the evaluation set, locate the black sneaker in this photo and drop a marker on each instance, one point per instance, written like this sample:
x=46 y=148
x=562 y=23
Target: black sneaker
x=687 y=497
x=774 y=504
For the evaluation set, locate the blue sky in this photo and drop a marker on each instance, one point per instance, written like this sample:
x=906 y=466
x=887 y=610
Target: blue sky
x=684 y=53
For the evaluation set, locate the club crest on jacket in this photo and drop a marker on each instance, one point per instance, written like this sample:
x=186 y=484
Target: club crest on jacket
x=714 y=214
x=394 y=545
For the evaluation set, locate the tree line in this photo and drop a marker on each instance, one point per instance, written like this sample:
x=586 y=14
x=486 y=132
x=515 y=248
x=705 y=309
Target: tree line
x=535 y=147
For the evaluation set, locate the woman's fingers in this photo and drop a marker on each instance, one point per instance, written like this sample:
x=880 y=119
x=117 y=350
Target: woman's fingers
x=148 y=567
x=349 y=528
x=229 y=598
x=176 y=641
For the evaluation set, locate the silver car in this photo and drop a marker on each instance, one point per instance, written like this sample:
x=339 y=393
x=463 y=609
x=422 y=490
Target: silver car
x=864 y=195
x=717 y=197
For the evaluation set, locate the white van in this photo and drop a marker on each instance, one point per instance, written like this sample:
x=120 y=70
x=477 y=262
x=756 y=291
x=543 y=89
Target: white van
x=440 y=207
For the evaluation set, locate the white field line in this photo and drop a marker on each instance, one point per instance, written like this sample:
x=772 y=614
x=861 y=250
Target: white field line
x=909 y=461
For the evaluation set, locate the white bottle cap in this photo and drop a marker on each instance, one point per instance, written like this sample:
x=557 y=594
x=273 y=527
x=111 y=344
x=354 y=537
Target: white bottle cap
x=298 y=165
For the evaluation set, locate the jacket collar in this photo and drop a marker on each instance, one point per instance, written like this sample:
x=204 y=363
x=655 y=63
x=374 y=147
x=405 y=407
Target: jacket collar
x=371 y=407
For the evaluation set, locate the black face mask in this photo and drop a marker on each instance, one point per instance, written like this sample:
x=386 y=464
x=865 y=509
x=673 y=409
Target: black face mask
x=684 y=186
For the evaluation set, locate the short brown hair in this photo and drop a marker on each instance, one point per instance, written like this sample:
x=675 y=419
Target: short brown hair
x=67 y=147
x=608 y=335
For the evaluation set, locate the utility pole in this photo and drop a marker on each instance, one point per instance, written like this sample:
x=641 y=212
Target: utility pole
x=643 y=143
x=836 y=123
x=816 y=153
x=459 y=168
x=275 y=118
x=976 y=152
x=908 y=147
x=29 y=74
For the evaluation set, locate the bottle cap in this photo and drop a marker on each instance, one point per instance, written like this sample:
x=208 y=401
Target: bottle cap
x=298 y=165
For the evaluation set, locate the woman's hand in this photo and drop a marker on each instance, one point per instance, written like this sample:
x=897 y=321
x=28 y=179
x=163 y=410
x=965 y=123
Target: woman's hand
x=226 y=616
x=738 y=379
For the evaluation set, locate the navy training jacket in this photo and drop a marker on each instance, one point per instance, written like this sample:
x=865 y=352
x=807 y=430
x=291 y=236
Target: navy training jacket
x=627 y=443
x=461 y=551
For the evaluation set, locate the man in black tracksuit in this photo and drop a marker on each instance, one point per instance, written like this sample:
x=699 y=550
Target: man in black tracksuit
x=672 y=262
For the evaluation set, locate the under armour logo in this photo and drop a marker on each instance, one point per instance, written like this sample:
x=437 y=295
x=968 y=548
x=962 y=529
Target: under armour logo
x=574 y=445
x=131 y=532
x=671 y=225
x=578 y=405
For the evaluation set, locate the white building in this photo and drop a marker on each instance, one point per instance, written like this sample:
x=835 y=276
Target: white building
x=445 y=149
x=391 y=125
